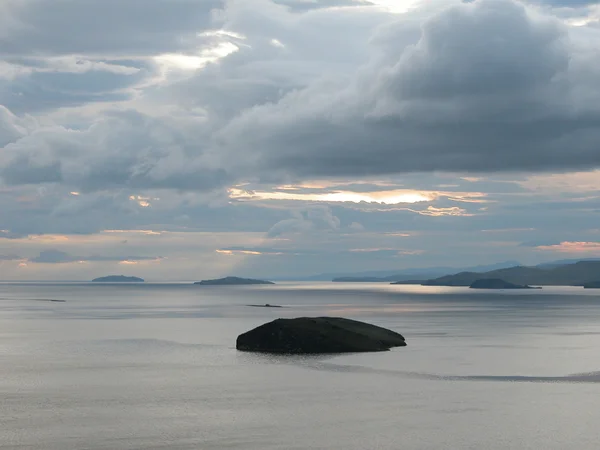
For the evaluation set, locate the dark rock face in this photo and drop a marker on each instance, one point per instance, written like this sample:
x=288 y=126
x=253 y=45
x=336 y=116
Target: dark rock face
x=118 y=279
x=496 y=283
x=592 y=285
x=311 y=335
x=232 y=281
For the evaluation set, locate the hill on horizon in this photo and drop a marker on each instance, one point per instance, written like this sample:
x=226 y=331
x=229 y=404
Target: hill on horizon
x=576 y=274
x=423 y=273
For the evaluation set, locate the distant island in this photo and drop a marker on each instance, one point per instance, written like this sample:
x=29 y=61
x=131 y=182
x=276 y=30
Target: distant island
x=406 y=276
x=496 y=283
x=592 y=285
x=118 y=279
x=231 y=281
x=378 y=280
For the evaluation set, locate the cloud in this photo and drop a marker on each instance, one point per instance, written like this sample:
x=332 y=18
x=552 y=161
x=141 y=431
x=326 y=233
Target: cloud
x=254 y=251
x=573 y=247
x=306 y=220
x=126 y=149
x=11 y=127
x=127 y=28
x=356 y=227
x=41 y=85
x=53 y=257
x=307 y=5
x=60 y=257
x=437 y=212
x=7 y=234
x=480 y=86
x=569 y=3
x=488 y=85
x=10 y=258
x=448 y=115
x=384 y=197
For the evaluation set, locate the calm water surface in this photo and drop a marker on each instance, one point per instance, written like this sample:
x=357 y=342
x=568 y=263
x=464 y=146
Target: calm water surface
x=154 y=367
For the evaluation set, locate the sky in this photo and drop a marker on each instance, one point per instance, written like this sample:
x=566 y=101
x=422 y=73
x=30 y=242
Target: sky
x=191 y=139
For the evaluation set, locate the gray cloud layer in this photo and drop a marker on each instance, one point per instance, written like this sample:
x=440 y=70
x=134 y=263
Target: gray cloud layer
x=102 y=27
x=60 y=257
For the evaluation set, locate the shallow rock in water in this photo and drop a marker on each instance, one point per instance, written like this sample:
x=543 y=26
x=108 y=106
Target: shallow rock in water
x=318 y=335
x=266 y=305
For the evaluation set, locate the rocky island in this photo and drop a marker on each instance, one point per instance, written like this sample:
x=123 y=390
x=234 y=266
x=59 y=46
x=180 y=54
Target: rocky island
x=313 y=335
x=118 y=279
x=496 y=283
x=231 y=281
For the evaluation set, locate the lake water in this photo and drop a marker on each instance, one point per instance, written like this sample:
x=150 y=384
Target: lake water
x=155 y=367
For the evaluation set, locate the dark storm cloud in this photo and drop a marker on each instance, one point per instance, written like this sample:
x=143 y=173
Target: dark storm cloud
x=488 y=86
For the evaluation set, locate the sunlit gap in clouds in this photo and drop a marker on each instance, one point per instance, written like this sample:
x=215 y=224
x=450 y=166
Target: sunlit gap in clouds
x=573 y=247
x=384 y=197
x=220 y=48
x=194 y=62
x=397 y=6
x=244 y=252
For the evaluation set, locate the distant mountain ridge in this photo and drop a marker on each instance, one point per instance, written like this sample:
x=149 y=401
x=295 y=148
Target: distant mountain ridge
x=577 y=274
x=564 y=262
x=410 y=274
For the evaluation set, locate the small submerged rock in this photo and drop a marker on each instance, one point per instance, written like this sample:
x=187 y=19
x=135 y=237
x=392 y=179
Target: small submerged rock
x=306 y=335
x=266 y=305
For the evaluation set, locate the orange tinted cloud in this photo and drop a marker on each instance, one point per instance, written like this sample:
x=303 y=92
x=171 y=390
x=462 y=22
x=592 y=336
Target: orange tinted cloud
x=244 y=252
x=573 y=247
